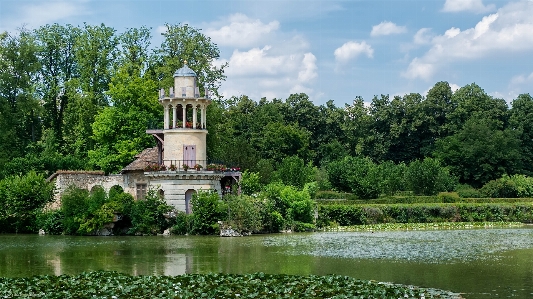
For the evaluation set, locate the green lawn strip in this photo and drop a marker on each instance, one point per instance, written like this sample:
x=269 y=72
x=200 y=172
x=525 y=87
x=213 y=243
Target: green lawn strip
x=106 y=284
x=421 y=226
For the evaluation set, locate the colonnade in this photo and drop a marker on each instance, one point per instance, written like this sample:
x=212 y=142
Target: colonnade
x=185 y=105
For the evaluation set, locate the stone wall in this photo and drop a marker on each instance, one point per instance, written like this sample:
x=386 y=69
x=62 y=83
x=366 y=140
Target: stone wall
x=82 y=179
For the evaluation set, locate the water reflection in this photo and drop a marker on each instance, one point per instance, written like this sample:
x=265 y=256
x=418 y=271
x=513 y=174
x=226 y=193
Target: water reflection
x=493 y=263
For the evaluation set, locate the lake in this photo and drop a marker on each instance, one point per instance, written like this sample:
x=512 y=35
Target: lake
x=481 y=263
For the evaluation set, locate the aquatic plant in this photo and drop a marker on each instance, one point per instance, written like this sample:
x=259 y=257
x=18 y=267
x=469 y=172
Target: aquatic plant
x=106 y=284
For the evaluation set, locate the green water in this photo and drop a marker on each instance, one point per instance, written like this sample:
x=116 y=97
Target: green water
x=482 y=263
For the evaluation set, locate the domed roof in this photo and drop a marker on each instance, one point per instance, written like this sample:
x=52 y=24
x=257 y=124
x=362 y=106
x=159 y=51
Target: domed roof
x=185 y=71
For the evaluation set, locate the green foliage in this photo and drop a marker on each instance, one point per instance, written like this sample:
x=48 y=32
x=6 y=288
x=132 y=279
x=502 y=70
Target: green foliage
x=244 y=213
x=499 y=188
x=148 y=215
x=428 y=177
x=207 y=210
x=480 y=151
x=355 y=174
x=293 y=171
x=250 y=183
x=21 y=199
x=51 y=221
x=467 y=191
x=183 y=224
x=290 y=203
x=347 y=215
x=106 y=284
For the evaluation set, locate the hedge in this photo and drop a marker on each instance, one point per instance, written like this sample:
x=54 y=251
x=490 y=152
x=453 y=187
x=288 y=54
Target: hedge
x=441 y=198
x=346 y=215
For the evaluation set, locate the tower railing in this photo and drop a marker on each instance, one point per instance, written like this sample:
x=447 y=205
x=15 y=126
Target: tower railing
x=189 y=165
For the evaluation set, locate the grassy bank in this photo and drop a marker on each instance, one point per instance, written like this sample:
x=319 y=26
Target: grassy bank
x=104 y=284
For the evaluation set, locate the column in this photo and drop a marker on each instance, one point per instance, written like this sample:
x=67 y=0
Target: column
x=174 y=116
x=194 y=117
x=184 y=110
x=166 y=118
x=204 y=116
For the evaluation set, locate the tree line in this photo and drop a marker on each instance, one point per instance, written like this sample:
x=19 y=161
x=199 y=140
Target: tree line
x=82 y=97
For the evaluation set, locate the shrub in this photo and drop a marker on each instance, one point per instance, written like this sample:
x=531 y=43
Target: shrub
x=51 y=222
x=244 y=213
x=21 y=199
x=250 y=182
x=499 y=188
x=358 y=175
x=148 y=215
x=466 y=191
x=448 y=197
x=207 y=211
x=183 y=224
x=428 y=177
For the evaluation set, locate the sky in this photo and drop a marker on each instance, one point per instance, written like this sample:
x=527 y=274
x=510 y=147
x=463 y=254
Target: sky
x=329 y=49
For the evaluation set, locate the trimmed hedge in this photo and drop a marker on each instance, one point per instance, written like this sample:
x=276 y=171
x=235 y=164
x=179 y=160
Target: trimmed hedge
x=446 y=197
x=346 y=215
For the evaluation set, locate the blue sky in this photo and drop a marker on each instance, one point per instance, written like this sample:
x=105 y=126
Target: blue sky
x=329 y=49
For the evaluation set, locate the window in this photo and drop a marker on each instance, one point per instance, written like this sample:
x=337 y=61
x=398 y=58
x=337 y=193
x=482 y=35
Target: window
x=141 y=191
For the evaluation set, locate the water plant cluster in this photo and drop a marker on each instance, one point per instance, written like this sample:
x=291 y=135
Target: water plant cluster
x=114 y=285
x=421 y=226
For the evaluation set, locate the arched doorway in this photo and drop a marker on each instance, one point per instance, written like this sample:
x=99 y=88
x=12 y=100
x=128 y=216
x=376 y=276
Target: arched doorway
x=188 y=198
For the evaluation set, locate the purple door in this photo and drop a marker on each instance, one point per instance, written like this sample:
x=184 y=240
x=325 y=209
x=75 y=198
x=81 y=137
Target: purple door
x=189 y=155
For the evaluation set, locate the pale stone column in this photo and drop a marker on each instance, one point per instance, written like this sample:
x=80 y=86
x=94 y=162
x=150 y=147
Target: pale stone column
x=194 y=117
x=202 y=115
x=184 y=111
x=174 y=115
x=166 y=118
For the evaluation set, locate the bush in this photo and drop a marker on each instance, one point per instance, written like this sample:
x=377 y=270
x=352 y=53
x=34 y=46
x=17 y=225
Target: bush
x=358 y=175
x=428 y=177
x=183 y=224
x=294 y=172
x=250 y=183
x=51 y=222
x=21 y=200
x=466 y=191
x=499 y=188
x=244 y=213
x=207 y=209
x=148 y=215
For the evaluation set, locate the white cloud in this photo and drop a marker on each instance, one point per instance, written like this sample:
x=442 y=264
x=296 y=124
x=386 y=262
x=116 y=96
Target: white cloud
x=41 y=13
x=422 y=36
x=522 y=79
x=475 y=6
x=241 y=31
x=508 y=31
x=351 y=50
x=454 y=87
x=265 y=61
x=387 y=28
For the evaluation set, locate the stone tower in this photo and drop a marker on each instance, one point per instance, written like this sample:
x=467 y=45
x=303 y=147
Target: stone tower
x=185 y=127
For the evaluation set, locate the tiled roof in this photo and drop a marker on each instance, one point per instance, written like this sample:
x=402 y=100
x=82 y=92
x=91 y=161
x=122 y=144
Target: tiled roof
x=143 y=159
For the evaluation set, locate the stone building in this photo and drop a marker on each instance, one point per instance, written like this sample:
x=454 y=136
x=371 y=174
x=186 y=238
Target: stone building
x=178 y=166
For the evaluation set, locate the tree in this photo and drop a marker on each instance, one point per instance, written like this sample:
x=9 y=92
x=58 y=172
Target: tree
x=521 y=121
x=480 y=151
x=184 y=43
x=472 y=102
x=428 y=177
x=56 y=55
x=19 y=109
x=96 y=56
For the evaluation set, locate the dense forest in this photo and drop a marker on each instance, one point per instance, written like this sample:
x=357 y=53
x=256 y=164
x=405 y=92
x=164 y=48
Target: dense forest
x=82 y=98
